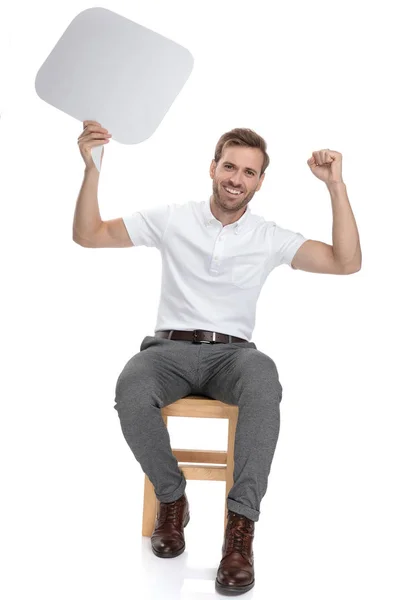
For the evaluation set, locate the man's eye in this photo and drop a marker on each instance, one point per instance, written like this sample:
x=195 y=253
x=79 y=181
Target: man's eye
x=228 y=166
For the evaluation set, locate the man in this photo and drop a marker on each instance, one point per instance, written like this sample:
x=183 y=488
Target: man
x=216 y=256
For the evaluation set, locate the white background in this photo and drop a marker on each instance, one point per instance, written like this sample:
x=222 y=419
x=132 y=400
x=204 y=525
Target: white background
x=306 y=76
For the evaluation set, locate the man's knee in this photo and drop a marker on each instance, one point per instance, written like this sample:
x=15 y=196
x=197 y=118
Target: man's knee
x=262 y=374
x=137 y=389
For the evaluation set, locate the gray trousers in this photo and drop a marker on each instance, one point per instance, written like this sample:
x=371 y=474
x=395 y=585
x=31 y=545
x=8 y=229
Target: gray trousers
x=237 y=373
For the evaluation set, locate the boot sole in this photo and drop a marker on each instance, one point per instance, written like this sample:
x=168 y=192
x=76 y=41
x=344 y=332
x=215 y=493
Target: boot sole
x=172 y=554
x=233 y=590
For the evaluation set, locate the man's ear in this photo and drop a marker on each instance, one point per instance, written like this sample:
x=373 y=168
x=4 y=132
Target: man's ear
x=213 y=166
x=260 y=182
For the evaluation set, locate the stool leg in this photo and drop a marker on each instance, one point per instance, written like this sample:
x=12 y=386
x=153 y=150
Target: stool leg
x=149 y=508
x=230 y=463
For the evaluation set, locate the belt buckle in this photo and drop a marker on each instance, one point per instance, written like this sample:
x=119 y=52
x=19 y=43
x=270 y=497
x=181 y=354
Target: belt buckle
x=195 y=341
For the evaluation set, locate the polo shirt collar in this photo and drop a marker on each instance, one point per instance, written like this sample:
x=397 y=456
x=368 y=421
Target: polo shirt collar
x=209 y=217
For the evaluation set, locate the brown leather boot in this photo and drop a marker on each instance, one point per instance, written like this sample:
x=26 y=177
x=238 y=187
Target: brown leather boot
x=236 y=570
x=168 y=539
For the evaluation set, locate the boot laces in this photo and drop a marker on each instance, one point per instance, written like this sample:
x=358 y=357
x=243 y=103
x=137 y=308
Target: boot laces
x=169 y=513
x=239 y=535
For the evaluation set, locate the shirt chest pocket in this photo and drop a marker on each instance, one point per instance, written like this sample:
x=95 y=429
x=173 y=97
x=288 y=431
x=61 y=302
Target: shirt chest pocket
x=245 y=275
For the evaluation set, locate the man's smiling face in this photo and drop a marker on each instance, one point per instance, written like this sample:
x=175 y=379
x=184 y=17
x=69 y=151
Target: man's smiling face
x=236 y=179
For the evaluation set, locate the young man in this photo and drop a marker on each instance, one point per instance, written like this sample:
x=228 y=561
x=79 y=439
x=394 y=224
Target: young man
x=216 y=256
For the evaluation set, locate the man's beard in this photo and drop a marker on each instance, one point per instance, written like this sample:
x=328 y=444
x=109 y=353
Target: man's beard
x=243 y=200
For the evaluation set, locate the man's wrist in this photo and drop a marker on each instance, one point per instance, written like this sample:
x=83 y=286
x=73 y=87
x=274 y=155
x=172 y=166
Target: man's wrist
x=339 y=181
x=90 y=170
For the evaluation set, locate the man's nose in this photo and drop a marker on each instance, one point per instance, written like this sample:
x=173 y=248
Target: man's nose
x=236 y=179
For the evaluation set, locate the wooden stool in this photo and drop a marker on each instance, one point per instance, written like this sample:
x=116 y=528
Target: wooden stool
x=219 y=465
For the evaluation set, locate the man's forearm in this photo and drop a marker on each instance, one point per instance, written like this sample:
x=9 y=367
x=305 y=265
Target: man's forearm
x=345 y=236
x=87 y=218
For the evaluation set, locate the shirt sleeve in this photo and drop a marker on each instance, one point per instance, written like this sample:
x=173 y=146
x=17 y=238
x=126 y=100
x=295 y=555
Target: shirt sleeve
x=147 y=227
x=284 y=245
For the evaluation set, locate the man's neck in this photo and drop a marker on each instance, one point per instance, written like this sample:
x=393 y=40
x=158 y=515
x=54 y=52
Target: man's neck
x=225 y=218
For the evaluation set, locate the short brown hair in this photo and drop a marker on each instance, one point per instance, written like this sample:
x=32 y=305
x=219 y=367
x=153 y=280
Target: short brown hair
x=242 y=137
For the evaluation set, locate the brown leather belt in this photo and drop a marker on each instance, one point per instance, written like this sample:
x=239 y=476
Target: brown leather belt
x=199 y=336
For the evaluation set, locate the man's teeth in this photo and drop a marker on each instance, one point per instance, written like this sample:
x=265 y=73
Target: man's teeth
x=237 y=192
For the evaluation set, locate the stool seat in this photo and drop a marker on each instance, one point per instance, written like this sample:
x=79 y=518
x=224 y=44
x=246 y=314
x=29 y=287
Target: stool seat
x=218 y=465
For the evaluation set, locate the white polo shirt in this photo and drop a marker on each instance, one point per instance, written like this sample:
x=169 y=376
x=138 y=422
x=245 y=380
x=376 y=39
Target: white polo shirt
x=211 y=275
